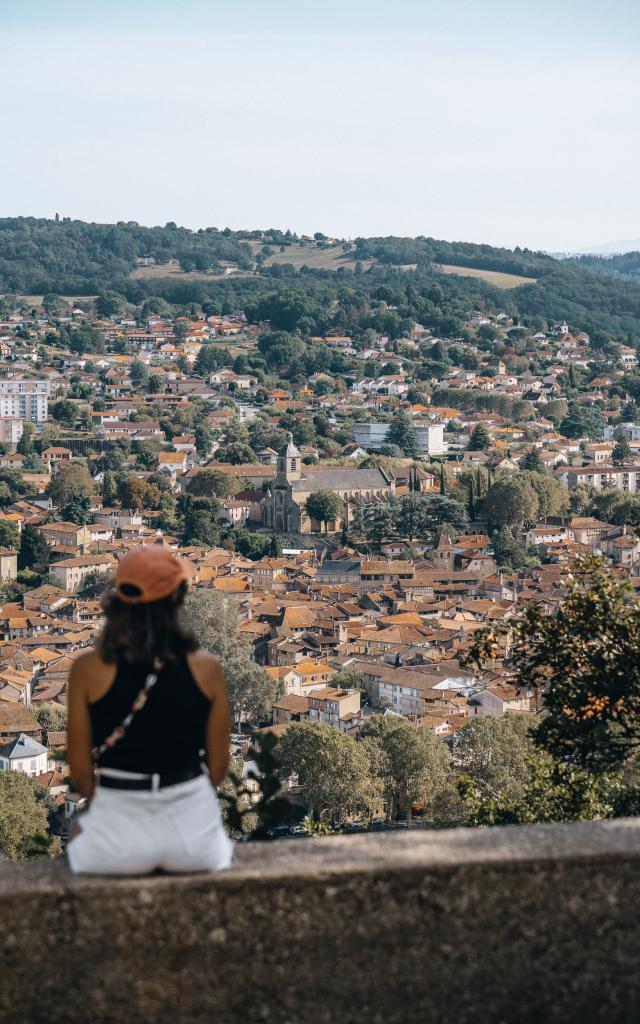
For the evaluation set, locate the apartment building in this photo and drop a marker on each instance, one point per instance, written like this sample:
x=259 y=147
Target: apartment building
x=26 y=399
x=428 y=435
x=625 y=478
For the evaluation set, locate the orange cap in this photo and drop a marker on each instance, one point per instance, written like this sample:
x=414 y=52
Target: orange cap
x=149 y=574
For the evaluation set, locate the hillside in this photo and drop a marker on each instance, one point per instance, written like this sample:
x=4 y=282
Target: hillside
x=230 y=269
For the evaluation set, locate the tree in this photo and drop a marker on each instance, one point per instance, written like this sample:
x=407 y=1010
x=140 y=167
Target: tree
x=137 y=494
x=252 y=691
x=139 y=373
x=508 y=552
x=214 y=619
x=401 y=433
x=25 y=444
x=413 y=762
x=325 y=506
x=8 y=533
x=199 y=520
x=333 y=769
x=437 y=512
x=553 y=498
x=375 y=521
x=35 y=552
x=203 y=440
x=214 y=483
x=65 y=412
x=78 y=510
x=586 y=659
x=532 y=461
x=275 y=546
x=109 y=488
x=552 y=791
x=69 y=481
x=582 y=421
x=621 y=454
x=24 y=831
x=409 y=519
x=53 y=304
x=348 y=679
x=511 y=501
x=110 y=303
x=236 y=454
x=480 y=439
x=495 y=753
x=51 y=717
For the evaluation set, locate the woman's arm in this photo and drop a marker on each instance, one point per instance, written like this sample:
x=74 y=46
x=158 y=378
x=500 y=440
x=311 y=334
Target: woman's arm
x=79 y=732
x=218 y=726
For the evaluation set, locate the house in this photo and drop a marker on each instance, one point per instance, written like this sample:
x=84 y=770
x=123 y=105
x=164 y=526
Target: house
x=174 y=463
x=65 y=534
x=337 y=708
x=72 y=572
x=8 y=563
x=546 y=535
x=54 y=455
x=24 y=754
x=498 y=699
x=116 y=518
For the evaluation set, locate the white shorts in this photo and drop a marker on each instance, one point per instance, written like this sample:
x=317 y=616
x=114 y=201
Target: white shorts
x=133 y=832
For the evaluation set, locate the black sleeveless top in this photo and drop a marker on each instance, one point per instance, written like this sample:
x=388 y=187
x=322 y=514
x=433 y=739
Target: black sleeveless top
x=167 y=734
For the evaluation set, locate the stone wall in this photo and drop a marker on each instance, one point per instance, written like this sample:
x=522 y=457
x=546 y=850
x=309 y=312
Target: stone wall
x=534 y=924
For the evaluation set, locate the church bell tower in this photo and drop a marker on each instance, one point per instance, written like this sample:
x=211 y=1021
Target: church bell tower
x=289 y=462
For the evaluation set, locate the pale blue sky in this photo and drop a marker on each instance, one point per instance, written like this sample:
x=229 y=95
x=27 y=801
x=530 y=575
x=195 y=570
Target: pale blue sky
x=509 y=123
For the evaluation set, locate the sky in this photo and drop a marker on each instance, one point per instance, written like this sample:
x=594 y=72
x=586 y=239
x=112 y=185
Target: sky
x=511 y=123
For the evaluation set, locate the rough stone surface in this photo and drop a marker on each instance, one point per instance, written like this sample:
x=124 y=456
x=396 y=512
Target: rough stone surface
x=536 y=924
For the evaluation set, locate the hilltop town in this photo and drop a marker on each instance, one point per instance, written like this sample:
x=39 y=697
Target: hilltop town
x=362 y=502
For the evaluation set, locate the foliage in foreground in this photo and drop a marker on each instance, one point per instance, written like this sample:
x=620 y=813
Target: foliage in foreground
x=585 y=659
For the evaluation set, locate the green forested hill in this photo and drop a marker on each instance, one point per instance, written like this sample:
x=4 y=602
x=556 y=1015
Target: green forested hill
x=72 y=257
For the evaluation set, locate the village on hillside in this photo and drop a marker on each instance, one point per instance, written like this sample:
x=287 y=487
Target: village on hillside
x=365 y=521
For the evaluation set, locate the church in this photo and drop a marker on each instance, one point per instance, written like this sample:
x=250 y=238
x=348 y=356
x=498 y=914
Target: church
x=284 y=506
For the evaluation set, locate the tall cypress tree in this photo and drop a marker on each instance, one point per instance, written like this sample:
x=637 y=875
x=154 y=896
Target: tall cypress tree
x=443 y=485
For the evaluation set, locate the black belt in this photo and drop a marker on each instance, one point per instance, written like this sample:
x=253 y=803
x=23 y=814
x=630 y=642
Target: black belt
x=164 y=779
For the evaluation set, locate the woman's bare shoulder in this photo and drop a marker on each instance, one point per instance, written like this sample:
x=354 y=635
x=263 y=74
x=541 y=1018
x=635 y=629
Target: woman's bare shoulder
x=89 y=667
x=207 y=671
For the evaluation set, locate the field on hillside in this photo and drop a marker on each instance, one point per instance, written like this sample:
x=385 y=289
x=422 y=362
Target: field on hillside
x=494 y=277
x=173 y=270
x=300 y=255
x=36 y=300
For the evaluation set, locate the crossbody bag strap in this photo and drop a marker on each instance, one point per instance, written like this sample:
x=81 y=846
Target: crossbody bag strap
x=141 y=699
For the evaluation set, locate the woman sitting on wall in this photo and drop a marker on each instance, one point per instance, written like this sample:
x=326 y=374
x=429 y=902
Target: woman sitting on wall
x=145 y=706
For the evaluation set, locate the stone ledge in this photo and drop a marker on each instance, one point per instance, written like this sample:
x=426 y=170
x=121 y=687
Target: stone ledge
x=512 y=924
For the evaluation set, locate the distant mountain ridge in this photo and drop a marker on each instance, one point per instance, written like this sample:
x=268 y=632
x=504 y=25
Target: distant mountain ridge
x=620 y=248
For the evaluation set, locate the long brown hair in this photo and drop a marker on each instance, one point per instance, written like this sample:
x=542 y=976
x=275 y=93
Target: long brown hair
x=139 y=633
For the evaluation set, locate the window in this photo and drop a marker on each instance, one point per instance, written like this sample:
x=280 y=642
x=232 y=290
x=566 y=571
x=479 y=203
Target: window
x=293 y=464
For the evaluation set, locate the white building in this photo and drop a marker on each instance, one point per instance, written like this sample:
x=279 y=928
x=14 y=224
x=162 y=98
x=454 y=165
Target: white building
x=428 y=435
x=11 y=429
x=24 y=754
x=28 y=399
x=625 y=478
x=630 y=431
x=497 y=700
